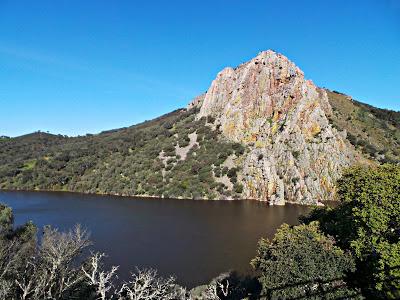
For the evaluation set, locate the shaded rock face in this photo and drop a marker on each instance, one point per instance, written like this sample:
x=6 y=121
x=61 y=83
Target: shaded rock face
x=294 y=153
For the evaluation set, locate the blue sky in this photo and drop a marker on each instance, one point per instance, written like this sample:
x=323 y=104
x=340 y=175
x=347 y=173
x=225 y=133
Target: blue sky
x=76 y=67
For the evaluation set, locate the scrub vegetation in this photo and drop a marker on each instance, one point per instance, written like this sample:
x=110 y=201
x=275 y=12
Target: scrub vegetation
x=373 y=131
x=145 y=159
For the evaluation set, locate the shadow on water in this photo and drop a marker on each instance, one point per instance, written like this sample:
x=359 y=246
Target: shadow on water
x=195 y=240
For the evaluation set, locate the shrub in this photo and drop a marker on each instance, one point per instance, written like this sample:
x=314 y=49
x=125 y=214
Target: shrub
x=301 y=262
x=238 y=188
x=232 y=173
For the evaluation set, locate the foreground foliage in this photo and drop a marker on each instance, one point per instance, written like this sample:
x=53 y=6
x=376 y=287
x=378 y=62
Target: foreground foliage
x=60 y=267
x=367 y=222
x=301 y=263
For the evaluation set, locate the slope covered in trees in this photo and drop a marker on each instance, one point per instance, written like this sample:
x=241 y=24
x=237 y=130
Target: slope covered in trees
x=171 y=156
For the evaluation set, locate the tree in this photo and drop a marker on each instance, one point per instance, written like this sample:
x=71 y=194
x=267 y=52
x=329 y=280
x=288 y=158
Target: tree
x=367 y=222
x=51 y=272
x=55 y=268
x=147 y=285
x=100 y=280
x=302 y=263
x=373 y=195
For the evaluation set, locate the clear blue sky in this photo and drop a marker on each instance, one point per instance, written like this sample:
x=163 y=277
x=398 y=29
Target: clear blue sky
x=74 y=67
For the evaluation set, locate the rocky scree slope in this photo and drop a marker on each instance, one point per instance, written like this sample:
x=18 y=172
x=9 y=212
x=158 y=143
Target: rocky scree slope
x=295 y=154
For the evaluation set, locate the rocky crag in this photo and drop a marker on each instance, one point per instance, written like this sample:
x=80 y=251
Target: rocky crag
x=294 y=154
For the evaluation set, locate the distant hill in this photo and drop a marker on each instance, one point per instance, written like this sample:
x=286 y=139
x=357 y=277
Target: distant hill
x=262 y=131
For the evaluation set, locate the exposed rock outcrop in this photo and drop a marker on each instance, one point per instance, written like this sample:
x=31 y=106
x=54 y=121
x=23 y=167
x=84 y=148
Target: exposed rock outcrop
x=196 y=102
x=295 y=155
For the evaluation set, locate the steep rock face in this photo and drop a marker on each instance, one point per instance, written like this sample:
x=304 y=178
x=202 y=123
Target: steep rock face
x=294 y=153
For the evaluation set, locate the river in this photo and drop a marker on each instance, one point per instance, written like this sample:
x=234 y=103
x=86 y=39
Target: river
x=195 y=240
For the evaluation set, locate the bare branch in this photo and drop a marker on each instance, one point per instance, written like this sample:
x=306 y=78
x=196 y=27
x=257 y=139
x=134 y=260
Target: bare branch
x=99 y=279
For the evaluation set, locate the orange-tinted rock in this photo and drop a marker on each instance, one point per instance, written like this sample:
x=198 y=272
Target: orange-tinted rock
x=268 y=105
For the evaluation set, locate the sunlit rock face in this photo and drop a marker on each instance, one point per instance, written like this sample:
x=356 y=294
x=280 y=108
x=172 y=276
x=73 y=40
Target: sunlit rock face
x=295 y=155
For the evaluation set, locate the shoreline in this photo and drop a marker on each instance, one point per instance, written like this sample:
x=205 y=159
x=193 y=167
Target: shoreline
x=148 y=197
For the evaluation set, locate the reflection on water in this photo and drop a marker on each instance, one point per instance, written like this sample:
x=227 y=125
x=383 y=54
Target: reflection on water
x=195 y=240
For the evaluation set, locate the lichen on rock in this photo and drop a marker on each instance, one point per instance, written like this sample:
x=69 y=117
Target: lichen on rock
x=295 y=155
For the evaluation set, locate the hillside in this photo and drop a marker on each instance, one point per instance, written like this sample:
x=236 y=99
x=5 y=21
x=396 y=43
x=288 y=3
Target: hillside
x=373 y=131
x=262 y=131
x=171 y=156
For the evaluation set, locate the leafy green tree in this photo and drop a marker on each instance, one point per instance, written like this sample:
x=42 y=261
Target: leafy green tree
x=367 y=222
x=302 y=263
x=374 y=197
x=6 y=218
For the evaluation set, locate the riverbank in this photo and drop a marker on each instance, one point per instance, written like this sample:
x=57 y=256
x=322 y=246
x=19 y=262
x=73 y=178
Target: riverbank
x=327 y=202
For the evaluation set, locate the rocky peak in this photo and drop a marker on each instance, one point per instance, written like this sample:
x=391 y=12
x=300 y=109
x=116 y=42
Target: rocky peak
x=295 y=155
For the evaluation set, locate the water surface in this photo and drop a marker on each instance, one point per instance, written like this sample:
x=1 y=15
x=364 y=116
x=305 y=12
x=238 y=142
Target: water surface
x=195 y=240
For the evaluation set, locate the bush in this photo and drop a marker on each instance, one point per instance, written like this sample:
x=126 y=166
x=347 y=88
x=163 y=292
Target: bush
x=238 y=188
x=302 y=263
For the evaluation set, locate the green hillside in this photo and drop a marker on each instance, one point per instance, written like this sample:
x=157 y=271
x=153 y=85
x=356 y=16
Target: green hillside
x=373 y=131
x=139 y=160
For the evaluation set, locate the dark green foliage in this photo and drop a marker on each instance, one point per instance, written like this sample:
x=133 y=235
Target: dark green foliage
x=125 y=161
x=217 y=172
x=296 y=154
x=367 y=222
x=336 y=222
x=232 y=172
x=302 y=263
x=224 y=171
x=6 y=218
x=238 y=188
x=239 y=149
x=210 y=119
x=393 y=117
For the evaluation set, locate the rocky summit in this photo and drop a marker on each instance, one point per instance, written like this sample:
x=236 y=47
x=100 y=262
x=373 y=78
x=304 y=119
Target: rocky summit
x=295 y=155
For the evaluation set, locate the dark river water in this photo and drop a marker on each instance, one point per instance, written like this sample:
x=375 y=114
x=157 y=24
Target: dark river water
x=194 y=240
